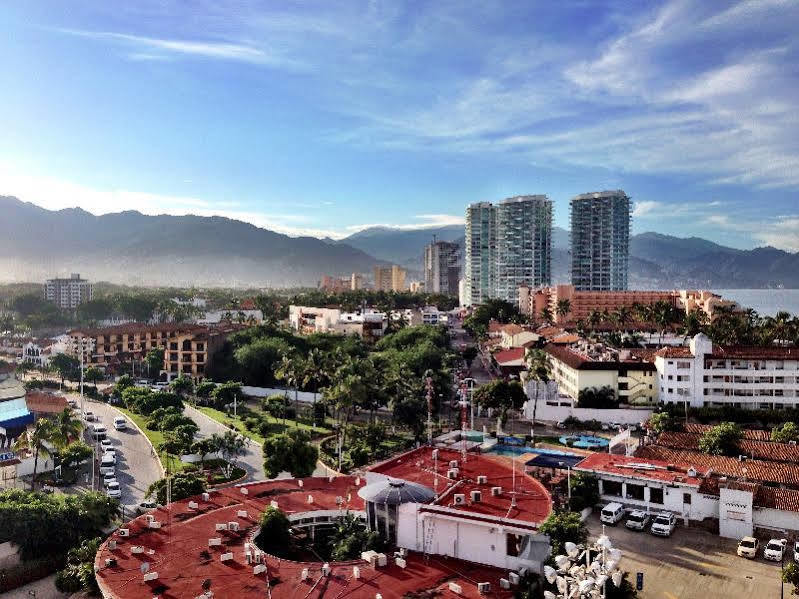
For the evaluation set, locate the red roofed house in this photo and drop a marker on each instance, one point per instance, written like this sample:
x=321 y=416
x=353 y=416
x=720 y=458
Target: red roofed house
x=510 y=361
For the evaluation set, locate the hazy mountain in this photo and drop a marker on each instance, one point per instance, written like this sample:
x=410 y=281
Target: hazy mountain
x=403 y=247
x=180 y=250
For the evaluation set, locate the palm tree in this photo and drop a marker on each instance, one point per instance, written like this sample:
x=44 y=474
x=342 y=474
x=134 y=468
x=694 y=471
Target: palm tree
x=66 y=428
x=546 y=315
x=36 y=439
x=289 y=371
x=563 y=308
x=537 y=370
x=623 y=316
x=312 y=374
x=594 y=318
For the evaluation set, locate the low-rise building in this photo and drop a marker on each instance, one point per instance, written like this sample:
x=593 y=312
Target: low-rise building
x=705 y=374
x=367 y=323
x=335 y=284
x=514 y=335
x=630 y=373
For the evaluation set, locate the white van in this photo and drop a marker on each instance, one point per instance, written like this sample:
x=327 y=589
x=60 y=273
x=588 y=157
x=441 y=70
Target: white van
x=612 y=513
x=120 y=423
x=108 y=464
x=98 y=432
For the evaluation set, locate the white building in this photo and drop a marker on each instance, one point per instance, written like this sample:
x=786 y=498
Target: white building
x=33 y=353
x=745 y=377
x=364 y=323
x=69 y=293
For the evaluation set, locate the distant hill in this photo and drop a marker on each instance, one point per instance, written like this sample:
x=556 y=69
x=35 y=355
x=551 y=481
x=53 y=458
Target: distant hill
x=162 y=250
x=401 y=246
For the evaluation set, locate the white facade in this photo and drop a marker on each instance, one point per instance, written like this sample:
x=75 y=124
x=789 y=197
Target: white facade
x=314 y=320
x=69 y=293
x=707 y=379
x=33 y=354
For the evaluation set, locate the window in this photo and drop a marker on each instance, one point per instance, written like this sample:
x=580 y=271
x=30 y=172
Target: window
x=611 y=487
x=635 y=492
x=686 y=498
x=173 y=346
x=656 y=495
x=515 y=544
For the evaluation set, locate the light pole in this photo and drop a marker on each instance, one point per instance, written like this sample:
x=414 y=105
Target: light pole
x=470 y=382
x=568 y=478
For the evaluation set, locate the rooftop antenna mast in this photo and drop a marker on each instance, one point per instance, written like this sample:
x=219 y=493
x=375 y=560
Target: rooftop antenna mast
x=429 y=395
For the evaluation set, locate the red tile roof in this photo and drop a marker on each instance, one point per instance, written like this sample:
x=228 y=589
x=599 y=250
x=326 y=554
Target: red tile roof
x=509 y=355
x=573 y=358
x=736 y=351
x=179 y=553
x=45 y=403
x=649 y=469
x=748 y=433
x=759 y=449
x=756 y=470
x=533 y=502
x=674 y=352
x=512 y=329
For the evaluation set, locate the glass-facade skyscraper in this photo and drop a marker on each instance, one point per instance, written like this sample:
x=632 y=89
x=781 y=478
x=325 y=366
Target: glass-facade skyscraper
x=600 y=241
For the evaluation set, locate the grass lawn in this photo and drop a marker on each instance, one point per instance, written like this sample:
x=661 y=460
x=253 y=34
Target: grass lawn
x=155 y=437
x=276 y=425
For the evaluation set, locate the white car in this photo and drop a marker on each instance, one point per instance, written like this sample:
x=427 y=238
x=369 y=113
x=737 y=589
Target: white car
x=105 y=443
x=120 y=423
x=747 y=547
x=796 y=551
x=775 y=549
x=88 y=416
x=113 y=490
x=663 y=524
x=108 y=479
x=109 y=450
x=637 y=520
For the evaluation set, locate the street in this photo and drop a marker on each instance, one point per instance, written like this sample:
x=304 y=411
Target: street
x=691 y=564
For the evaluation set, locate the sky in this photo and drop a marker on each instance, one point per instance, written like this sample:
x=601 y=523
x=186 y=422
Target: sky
x=321 y=118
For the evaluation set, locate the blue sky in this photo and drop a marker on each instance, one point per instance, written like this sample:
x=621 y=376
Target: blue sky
x=323 y=117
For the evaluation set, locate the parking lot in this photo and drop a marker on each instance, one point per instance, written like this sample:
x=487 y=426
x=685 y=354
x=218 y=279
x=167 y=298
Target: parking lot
x=692 y=564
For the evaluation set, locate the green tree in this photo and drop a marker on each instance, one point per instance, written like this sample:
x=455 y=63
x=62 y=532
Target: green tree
x=123 y=382
x=74 y=454
x=501 y=395
x=231 y=445
x=563 y=308
x=290 y=452
x=225 y=394
x=661 y=422
x=202 y=448
x=275 y=536
x=599 y=398
x=785 y=433
x=37 y=440
x=155 y=362
x=721 y=439
x=350 y=538
x=183 y=485
x=93 y=375
x=562 y=526
x=78 y=574
x=205 y=389
x=537 y=370
x=66 y=366
x=546 y=315
x=66 y=428
x=790 y=574
x=182 y=386
x=584 y=491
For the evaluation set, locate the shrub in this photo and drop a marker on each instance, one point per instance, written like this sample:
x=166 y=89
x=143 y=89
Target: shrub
x=252 y=423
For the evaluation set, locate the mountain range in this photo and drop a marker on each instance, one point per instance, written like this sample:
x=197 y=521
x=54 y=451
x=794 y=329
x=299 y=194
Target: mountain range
x=130 y=247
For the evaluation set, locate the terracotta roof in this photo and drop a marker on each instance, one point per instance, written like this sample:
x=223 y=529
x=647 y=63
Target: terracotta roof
x=495 y=327
x=571 y=357
x=748 y=433
x=533 y=502
x=45 y=403
x=512 y=329
x=649 y=469
x=565 y=338
x=674 y=352
x=549 y=331
x=178 y=551
x=736 y=351
x=756 y=470
x=509 y=355
x=759 y=449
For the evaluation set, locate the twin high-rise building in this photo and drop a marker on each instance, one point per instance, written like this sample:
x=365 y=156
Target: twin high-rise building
x=600 y=240
x=507 y=245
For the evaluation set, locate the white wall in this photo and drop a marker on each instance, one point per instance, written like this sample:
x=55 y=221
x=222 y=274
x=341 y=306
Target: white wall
x=558 y=413
x=735 y=513
x=778 y=519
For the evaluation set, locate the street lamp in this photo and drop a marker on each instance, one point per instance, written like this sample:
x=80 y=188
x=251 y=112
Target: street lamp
x=471 y=383
x=568 y=478
x=577 y=575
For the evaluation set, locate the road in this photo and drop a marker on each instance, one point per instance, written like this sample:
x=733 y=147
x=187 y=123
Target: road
x=137 y=467
x=691 y=564
x=252 y=461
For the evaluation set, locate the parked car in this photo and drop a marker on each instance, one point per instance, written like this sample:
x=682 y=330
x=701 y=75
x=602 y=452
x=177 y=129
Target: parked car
x=146 y=506
x=105 y=443
x=612 y=513
x=561 y=425
x=113 y=490
x=663 y=524
x=775 y=549
x=108 y=479
x=109 y=450
x=88 y=416
x=120 y=423
x=108 y=464
x=796 y=551
x=747 y=547
x=99 y=432
x=72 y=403
x=637 y=520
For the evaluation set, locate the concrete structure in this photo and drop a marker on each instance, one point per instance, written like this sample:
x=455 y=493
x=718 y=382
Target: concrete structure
x=453 y=531
x=390 y=278
x=356 y=281
x=335 y=284
x=369 y=324
x=581 y=303
x=416 y=286
x=514 y=335
x=188 y=348
x=441 y=268
x=33 y=353
x=69 y=293
x=630 y=373
x=507 y=245
x=748 y=377
x=600 y=238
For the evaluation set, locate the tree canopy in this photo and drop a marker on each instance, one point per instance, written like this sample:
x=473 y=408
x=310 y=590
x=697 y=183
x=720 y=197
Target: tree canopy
x=721 y=439
x=290 y=452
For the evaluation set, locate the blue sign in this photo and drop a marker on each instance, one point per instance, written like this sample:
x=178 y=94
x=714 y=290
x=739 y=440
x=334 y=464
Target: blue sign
x=7 y=456
x=639 y=581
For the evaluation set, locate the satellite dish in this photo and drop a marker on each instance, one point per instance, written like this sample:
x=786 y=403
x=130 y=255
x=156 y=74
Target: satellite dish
x=144 y=567
x=572 y=549
x=562 y=584
x=550 y=574
x=616 y=577
x=586 y=585
x=562 y=561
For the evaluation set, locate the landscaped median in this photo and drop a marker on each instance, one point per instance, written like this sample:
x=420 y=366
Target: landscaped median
x=260 y=422
x=155 y=438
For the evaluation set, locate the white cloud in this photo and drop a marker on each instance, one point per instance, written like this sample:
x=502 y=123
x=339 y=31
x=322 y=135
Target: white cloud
x=426 y=221
x=646 y=207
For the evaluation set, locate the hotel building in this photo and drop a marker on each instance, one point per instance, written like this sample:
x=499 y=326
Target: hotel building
x=69 y=293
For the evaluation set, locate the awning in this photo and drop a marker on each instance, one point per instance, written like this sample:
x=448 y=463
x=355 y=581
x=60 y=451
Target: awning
x=14 y=415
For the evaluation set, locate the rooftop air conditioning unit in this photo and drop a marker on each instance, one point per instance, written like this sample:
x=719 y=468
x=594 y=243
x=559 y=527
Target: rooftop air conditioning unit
x=305 y=574
x=435 y=454
x=455 y=588
x=136 y=549
x=155 y=524
x=206 y=496
x=692 y=471
x=259 y=569
x=215 y=542
x=232 y=525
x=193 y=505
x=791 y=442
x=482 y=479
x=299 y=482
x=741 y=458
x=150 y=576
x=112 y=544
x=221 y=526
x=453 y=463
x=356 y=572
x=310 y=499
x=483 y=588
x=242 y=514
x=476 y=496
x=459 y=498
x=452 y=473
x=245 y=491
x=326 y=569
x=504 y=583
x=401 y=563
x=514 y=578
x=273 y=504
x=226 y=557
x=496 y=491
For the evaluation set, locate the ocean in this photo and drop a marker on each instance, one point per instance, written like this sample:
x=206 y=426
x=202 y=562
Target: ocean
x=767 y=302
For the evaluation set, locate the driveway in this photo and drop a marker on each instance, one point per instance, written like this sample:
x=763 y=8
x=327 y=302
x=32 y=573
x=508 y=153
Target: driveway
x=137 y=468
x=691 y=564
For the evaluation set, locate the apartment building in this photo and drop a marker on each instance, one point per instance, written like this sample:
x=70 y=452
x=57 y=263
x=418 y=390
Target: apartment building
x=630 y=373
x=368 y=324
x=356 y=281
x=507 y=245
x=335 y=284
x=441 y=268
x=705 y=374
x=188 y=348
x=69 y=293
x=600 y=238
x=390 y=278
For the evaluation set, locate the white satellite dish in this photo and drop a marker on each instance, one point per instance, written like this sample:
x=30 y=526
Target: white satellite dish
x=550 y=574
x=572 y=549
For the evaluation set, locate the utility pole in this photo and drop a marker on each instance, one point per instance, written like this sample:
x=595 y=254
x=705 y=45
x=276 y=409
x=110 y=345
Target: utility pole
x=429 y=394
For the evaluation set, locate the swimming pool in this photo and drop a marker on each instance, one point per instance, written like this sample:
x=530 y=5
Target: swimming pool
x=584 y=441
x=513 y=451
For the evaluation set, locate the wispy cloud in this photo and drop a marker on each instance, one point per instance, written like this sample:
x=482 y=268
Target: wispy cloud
x=425 y=221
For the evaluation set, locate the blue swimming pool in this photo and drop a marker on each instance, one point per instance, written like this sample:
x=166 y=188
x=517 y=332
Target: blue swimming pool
x=584 y=441
x=512 y=451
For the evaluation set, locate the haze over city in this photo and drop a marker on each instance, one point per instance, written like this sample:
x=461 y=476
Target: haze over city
x=320 y=120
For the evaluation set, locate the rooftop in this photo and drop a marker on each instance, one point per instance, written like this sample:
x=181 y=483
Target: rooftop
x=650 y=469
x=45 y=403
x=533 y=502
x=756 y=448
x=736 y=352
x=179 y=552
x=509 y=355
x=600 y=357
